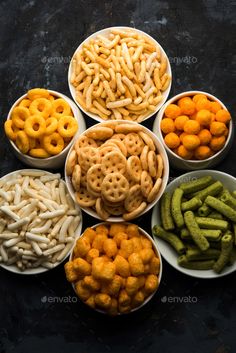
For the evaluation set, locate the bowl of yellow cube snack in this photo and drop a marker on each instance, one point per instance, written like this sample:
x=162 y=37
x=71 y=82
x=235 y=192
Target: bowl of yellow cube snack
x=115 y=268
x=119 y=73
x=41 y=127
x=196 y=129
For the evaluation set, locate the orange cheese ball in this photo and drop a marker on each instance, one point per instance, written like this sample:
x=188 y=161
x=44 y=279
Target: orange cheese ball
x=186 y=105
x=184 y=153
x=217 y=143
x=202 y=152
x=192 y=127
x=204 y=117
x=203 y=103
x=223 y=116
x=191 y=142
x=172 y=111
x=215 y=106
x=172 y=140
x=226 y=132
x=180 y=121
x=217 y=128
x=198 y=96
x=213 y=117
x=205 y=137
x=167 y=125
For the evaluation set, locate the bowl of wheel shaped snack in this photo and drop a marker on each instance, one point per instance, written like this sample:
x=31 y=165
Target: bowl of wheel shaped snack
x=196 y=129
x=194 y=224
x=119 y=73
x=115 y=268
x=117 y=170
x=41 y=127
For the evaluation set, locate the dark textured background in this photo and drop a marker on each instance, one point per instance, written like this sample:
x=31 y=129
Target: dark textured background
x=37 y=39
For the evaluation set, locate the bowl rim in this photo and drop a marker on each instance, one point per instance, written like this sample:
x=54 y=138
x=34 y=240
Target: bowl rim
x=165 y=176
x=189 y=272
x=38 y=270
x=157 y=251
x=102 y=31
x=159 y=116
x=65 y=150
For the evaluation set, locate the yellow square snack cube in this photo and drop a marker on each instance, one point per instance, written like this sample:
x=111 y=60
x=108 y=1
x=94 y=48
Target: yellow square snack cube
x=89 y=234
x=114 y=286
x=118 y=237
x=151 y=284
x=83 y=292
x=122 y=266
x=136 y=264
x=116 y=228
x=71 y=274
x=141 y=281
x=91 y=283
x=82 y=247
x=155 y=266
x=97 y=266
x=132 y=230
x=91 y=301
x=102 y=301
x=102 y=229
x=126 y=247
x=92 y=254
x=146 y=254
x=82 y=267
x=110 y=247
x=146 y=243
x=124 y=299
x=137 y=244
x=138 y=299
x=132 y=285
x=113 y=309
x=99 y=241
x=108 y=271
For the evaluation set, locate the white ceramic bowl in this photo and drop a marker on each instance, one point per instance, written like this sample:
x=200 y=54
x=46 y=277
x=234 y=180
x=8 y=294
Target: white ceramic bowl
x=165 y=176
x=105 y=33
x=40 y=269
x=157 y=252
x=54 y=161
x=166 y=250
x=180 y=163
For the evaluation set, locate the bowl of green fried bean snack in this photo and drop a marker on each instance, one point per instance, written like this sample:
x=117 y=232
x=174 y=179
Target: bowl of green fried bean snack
x=194 y=224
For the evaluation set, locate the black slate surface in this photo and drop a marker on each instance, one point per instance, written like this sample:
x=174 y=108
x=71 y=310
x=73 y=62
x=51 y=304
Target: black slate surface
x=40 y=313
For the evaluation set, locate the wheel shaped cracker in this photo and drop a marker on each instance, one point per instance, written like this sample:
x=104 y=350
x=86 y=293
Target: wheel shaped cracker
x=115 y=187
x=84 y=199
x=84 y=141
x=134 y=168
x=134 y=144
x=87 y=157
x=76 y=176
x=113 y=162
x=71 y=162
x=146 y=183
x=105 y=149
x=101 y=211
x=95 y=178
x=119 y=137
x=152 y=163
x=134 y=198
x=144 y=158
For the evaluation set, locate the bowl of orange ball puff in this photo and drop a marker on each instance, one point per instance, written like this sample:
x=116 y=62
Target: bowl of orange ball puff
x=41 y=127
x=115 y=268
x=196 y=129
